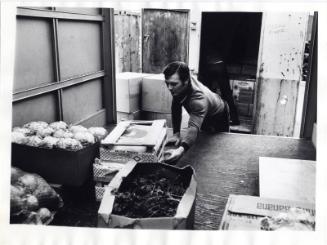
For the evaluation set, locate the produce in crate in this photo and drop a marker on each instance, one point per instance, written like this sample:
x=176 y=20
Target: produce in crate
x=32 y=199
x=57 y=135
x=63 y=133
x=293 y=219
x=149 y=195
x=49 y=142
x=98 y=132
x=58 y=125
x=35 y=126
x=84 y=137
x=34 y=141
x=69 y=144
x=19 y=138
x=44 y=132
x=24 y=131
x=77 y=128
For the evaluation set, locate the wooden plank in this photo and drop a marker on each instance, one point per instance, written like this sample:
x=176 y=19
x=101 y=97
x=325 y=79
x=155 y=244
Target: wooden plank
x=109 y=84
x=152 y=137
x=115 y=134
x=276 y=107
x=291 y=179
x=47 y=88
x=42 y=13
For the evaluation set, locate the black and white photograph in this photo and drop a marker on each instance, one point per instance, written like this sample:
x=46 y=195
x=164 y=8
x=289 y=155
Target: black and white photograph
x=142 y=117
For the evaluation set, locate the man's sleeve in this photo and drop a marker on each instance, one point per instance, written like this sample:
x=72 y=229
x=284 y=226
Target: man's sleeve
x=197 y=115
x=176 y=116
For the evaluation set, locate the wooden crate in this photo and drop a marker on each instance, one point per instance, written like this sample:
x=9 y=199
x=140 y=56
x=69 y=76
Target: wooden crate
x=149 y=147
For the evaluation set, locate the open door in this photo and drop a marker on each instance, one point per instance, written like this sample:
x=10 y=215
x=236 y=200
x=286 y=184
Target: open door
x=165 y=38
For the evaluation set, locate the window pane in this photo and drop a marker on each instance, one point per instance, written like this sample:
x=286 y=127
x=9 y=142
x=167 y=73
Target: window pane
x=42 y=108
x=79 y=48
x=82 y=101
x=33 y=57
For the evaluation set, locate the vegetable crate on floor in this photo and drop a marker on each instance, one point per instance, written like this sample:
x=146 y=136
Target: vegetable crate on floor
x=57 y=166
x=141 y=141
x=149 y=196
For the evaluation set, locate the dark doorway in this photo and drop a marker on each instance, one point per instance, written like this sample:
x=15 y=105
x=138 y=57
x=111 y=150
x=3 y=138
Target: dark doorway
x=230 y=43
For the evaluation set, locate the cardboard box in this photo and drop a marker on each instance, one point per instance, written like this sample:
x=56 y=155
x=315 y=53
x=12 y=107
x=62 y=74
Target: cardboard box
x=128 y=91
x=243 y=91
x=146 y=145
x=124 y=116
x=245 y=212
x=155 y=94
x=184 y=218
x=57 y=166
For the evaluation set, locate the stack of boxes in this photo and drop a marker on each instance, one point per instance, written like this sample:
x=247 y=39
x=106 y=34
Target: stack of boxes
x=243 y=94
x=142 y=96
x=128 y=95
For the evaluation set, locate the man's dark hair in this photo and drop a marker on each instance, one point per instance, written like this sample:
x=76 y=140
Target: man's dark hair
x=177 y=67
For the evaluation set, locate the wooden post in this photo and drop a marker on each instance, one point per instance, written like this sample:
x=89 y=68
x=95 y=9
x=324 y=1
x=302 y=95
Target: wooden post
x=109 y=83
x=279 y=72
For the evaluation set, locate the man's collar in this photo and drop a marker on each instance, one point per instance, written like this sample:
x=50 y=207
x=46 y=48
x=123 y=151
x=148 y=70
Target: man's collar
x=186 y=93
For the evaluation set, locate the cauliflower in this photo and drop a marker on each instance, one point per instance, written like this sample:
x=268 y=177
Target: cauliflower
x=49 y=142
x=19 y=138
x=71 y=144
x=63 y=134
x=34 y=141
x=15 y=174
x=35 y=126
x=44 y=214
x=16 y=191
x=43 y=132
x=25 y=131
x=31 y=202
x=84 y=137
x=77 y=128
x=28 y=181
x=58 y=125
x=98 y=132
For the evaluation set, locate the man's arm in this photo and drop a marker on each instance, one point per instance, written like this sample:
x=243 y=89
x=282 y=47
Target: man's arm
x=197 y=115
x=176 y=116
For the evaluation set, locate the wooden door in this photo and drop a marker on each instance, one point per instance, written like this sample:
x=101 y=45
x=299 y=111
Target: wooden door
x=127 y=41
x=279 y=72
x=165 y=38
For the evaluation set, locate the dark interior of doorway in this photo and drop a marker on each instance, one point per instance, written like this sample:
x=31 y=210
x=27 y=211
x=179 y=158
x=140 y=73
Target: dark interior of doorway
x=233 y=38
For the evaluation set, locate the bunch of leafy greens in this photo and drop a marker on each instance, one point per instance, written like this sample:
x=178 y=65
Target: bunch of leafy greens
x=149 y=195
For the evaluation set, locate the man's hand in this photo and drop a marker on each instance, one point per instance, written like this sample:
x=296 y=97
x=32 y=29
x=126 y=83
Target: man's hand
x=172 y=155
x=174 y=140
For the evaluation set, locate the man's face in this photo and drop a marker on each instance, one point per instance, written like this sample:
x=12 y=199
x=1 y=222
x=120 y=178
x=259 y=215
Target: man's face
x=175 y=85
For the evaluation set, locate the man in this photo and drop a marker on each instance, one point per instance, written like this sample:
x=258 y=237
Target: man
x=206 y=109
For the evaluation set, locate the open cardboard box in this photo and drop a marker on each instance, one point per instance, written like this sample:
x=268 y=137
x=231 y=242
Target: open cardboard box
x=183 y=219
x=245 y=212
